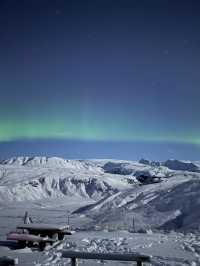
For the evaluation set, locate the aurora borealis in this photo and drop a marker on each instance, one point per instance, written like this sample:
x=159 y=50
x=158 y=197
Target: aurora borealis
x=99 y=71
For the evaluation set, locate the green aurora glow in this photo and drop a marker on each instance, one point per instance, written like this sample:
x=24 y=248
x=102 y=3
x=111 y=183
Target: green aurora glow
x=90 y=126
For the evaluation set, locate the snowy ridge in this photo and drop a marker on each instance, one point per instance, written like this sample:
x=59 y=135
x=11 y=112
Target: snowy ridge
x=111 y=166
x=154 y=168
x=38 y=178
x=44 y=162
x=171 y=205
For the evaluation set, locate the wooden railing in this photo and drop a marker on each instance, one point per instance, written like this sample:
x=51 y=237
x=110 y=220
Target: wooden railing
x=73 y=255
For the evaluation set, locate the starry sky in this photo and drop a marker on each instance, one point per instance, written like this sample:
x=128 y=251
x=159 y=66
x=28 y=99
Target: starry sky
x=100 y=78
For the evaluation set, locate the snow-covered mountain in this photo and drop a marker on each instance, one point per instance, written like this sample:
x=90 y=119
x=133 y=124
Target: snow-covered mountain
x=111 y=166
x=155 y=195
x=171 y=204
x=37 y=178
x=161 y=168
x=44 y=162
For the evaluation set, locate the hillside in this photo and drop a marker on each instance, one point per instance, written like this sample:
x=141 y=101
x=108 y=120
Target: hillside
x=117 y=192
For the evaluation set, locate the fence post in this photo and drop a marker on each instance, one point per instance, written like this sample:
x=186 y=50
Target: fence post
x=73 y=262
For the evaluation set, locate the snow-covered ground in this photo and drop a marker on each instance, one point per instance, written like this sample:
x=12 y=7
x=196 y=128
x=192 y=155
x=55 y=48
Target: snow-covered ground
x=119 y=206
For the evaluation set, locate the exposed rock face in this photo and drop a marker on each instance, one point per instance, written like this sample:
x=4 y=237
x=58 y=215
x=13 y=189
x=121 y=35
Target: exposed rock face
x=117 y=168
x=180 y=165
x=144 y=161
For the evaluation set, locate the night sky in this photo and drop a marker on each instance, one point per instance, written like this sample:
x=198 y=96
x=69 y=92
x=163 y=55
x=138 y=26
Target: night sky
x=100 y=78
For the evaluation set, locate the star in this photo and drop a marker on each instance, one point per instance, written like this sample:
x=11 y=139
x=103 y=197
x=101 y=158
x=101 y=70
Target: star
x=58 y=12
x=166 y=52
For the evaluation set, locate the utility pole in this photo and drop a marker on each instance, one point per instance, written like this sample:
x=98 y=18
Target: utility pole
x=133 y=224
x=68 y=217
